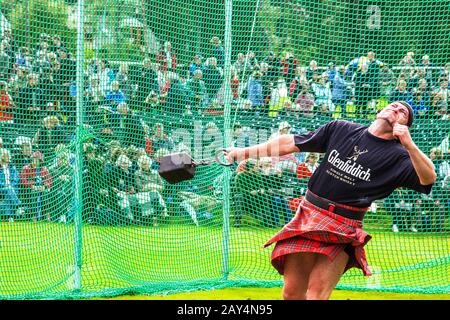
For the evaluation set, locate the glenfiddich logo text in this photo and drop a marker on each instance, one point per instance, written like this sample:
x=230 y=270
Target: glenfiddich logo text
x=349 y=166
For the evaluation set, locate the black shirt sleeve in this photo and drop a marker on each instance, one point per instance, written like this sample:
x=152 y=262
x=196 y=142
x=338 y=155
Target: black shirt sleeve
x=408 y=177
x=316 y=141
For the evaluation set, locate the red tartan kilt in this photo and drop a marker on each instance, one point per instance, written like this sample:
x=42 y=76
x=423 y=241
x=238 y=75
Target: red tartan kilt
x=320 y=231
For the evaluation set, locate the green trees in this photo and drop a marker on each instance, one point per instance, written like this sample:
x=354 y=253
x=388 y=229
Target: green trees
x=325 y=30
x=31 y=18
x=333 y=30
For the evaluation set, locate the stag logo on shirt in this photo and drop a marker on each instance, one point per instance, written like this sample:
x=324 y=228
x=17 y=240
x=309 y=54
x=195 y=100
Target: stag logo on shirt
x=356 y=153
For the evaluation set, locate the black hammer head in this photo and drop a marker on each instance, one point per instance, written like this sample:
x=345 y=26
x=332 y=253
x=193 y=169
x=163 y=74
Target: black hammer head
x=177 y=167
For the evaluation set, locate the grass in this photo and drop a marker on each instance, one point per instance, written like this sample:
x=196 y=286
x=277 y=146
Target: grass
x=38 y=258
x=275 y=294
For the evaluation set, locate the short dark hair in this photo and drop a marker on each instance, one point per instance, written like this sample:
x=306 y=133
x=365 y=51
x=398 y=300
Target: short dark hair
x=410 y=114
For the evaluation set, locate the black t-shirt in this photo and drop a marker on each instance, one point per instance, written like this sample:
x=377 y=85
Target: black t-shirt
x=358 y=167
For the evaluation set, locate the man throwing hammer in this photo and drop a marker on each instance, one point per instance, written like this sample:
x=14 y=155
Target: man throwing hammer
x=361 y=164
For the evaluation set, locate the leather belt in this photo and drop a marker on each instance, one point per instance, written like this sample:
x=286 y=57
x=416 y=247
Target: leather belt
x=334 y=207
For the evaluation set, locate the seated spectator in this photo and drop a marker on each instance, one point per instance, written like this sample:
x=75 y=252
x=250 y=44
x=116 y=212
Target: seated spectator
x=444 y=146
x=305 y=101
x=196 y=65
x=295 y=86
x=274 y=67
x=263 y=189
x=5 y=64
x=30 y=103
x=212 y=140
x=93 y=180
x=312 y=69
x=134 y=153
x=278 y=96
x=252 y=62
x=165 y=79
x=212 y=76
x=43 y=41
x=339 y=93
x=22 y=156
x=125 y=83
x=95 y=97
x=242 y=136
x=387 y=81
x=178 y=96
x=9 y=187
x=199 y=207
x=330 y=73
x=105 y=73
x=401 y=205
x=400 y=93
x=323 y=97
x=420 y=99
x=37 y=186
x=56 y=44
x=421 y=74
x=440 y=100
x=442 y=166
x=446 y=72
x=53 y=110
x=197 y=88
x=61 y=200
x=307 y=168
x=149 y=187
x=119 y=189
x=239 y=65
x=7 y=104
x=21 y=59
x=145 y=79
x=428 y=66
x=289 y=63
x=158 y=140
x=283 y=188
x=218 y=51
x=244 y=180
x=255 y=91
x=49 y=135
x=127 y=127
x=166 y=58
x=152 y=103
x=408 y=67
x=115 y=96
x=362 y=81
x=18 y=81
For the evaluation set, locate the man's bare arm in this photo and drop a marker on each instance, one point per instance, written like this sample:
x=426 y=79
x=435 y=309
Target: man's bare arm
x=422 y=164
x=276 y=147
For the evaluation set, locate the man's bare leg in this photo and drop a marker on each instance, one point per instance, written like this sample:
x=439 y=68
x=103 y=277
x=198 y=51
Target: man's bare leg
x=325 y=275
x=297 y=269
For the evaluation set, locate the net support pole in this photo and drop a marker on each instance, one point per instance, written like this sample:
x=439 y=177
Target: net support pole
x=227 y=136
x=79 y=146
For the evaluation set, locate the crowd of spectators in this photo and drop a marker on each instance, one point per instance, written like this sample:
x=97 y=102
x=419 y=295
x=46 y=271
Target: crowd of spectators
x=123 y=140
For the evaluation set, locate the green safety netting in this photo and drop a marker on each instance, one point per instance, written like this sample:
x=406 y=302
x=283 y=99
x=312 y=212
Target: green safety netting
x=94 y=93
